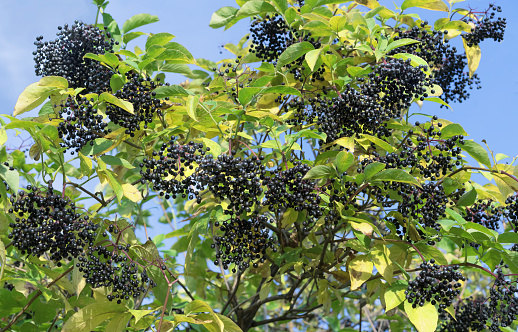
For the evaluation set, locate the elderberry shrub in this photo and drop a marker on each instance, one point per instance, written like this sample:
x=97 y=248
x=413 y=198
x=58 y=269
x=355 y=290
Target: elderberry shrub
x=383 y=95
x=81 y=123
x=167 y=169
x=287 y=189
x=234 y=179
x=64 y=56
x=436 y=284
x=448 y=67
x=244 y=242
x=49 y=223
x=485 y=27
x=110 y=266
x=139 y=92
x=484 y=213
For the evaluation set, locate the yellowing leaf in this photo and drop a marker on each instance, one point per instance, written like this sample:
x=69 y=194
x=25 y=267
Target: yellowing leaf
x=380 y=257
x=131 y=192
x=364 y=227
x=192 y=104
x=424 y=318
x=368 y=3
x=360 y=270
x=109 y=98
x=395 y=294
x=138 y=314
x=91 y=316
x=473 y=54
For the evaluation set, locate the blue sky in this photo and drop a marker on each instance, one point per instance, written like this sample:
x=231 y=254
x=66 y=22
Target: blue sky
x=490 y=113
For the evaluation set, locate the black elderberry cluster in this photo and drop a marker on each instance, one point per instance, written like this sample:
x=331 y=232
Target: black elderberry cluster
x=64 y=56
x=167 y=170
x=139 y=92
x=81 y=123
x=500 y=309
x=486 y=27
x=233 y=178
x=110 y=266
x=271 y=37
x=244 y=242
x=287 y=189
x=383 y=95
x=485 y=214
x=469 y=317
x=511 y=210
x=233 y=78
x=46 y=222
x=436 y=284
x=448 y=67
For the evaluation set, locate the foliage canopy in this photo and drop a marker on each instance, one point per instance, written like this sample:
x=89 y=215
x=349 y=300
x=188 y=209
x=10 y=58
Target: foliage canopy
x=299 y=194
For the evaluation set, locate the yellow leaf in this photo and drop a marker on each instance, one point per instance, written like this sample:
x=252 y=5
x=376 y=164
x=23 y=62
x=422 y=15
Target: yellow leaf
x=341 y=276
x=368 y=3
x=363 y=227
x=395 y=295
x=360 y=270
x=380 y=257
x=424 y=318
x=473 y=54
x=131 y=192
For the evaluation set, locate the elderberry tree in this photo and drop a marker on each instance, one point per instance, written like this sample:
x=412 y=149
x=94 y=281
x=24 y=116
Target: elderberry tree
x=299 y=193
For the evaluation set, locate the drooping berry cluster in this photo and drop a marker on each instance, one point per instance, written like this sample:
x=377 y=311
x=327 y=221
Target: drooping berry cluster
x=64 y=56
x=499 y=309
x=244 y=242
x=272 y=36
x=383 y=95
x=110 y=267
x=49 y=223
x=484 y=213
x=168 y=170
x=469 y=317
x=485 y=27
x=449 y=69
x=511 y=210
x=233 y=178
x=81 y=123
x=435 y=284
x=139 y=92
x=287 y=189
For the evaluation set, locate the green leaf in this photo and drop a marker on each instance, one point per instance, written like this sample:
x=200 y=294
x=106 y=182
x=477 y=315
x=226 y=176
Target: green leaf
x=215 y=148
x=116 y=161
x=160 y=39
x=138 y=314
x=395 y=294
x=222 y=16
x=508 y=238
x=438 y=101
x=312 y=58
x=468 y=198
x=293 y=52
x=379 y=142
x=453 y=129
x=138 y=21
x=438 y=5
x=399 y=43
x=373 y=169
x=431 y=252
x=200 y=306
x=319 y=172
x=99 y=145
x=91 y=316
x=397 y=175
x=130 y=36
x=12 y=178
x=343 y=161
x=477 y=152
x=118 y=323
x=247 y=94
x=170 y=91
x=281 y=89
x=192 y=105
x=114 y=184
x=109 y=98
x=116 y=82
x=424 y=318
x=214 y=326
